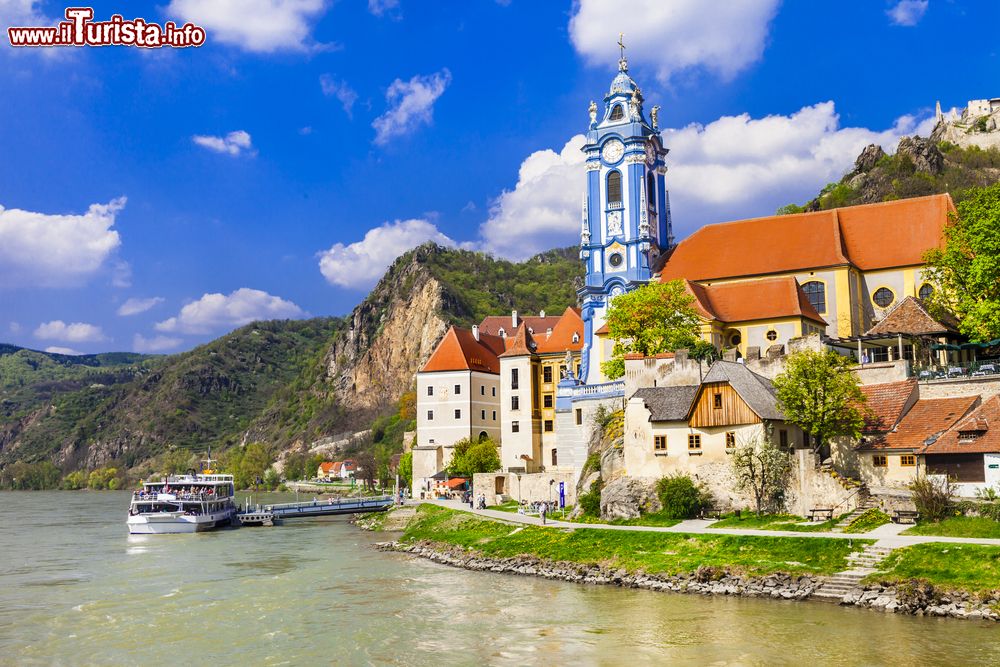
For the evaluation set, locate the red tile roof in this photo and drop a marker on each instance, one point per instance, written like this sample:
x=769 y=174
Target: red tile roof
x=886 y=403
x=542 y=342
x=459 y=350
x=749 y=300
x=972 y=435
x=326 y=466
x=870 y=236
x=909 y=316
x=492 y=324
x=928 y=417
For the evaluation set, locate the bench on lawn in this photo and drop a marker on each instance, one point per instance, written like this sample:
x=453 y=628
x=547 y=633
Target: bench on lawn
x=820 y=514
x=905 y=516
x=712 y=512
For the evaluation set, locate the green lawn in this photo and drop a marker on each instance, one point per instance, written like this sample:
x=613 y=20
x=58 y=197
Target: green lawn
x=958 y=526
x=655 y=519
x=774 y=522
x=966 y=566
x=868 y=521
x=665 y=553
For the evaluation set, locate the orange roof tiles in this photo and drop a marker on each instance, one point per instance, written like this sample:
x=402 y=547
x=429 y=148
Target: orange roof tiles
x=492 y=324
x=766 y=298
x=927 y=418
x=910 y=317
x=542 y=342
x=459 y=350
x=869 y=236
x=326 y=466
x=886 y=403
x=973 y=435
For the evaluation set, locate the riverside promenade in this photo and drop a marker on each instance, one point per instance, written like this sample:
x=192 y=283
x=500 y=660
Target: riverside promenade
x=888 y=536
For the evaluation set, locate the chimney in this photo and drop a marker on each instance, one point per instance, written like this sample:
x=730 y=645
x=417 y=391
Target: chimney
x=541 y=313
x=475 y=331
x=513 y=319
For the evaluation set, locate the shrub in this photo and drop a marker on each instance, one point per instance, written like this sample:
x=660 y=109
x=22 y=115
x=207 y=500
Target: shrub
x=590 y=502
x=933 y=500
x=681 y=497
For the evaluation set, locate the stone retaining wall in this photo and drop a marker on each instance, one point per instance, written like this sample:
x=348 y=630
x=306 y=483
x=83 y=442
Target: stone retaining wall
x=913 y=598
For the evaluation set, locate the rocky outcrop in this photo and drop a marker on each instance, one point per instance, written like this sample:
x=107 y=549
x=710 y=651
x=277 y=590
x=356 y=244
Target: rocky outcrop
x=924 y=153
x=628 y=498
x=918 y=598
x=392 y=334
x=867 y=160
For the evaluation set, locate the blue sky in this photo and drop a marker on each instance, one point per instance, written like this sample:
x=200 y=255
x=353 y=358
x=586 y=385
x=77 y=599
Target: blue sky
x=152 y=200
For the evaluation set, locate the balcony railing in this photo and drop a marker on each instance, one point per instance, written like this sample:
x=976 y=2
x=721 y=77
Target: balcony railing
x=956 y=370
x=604 y=389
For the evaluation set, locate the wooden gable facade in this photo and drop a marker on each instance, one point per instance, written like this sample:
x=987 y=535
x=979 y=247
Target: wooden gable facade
x=718 y=404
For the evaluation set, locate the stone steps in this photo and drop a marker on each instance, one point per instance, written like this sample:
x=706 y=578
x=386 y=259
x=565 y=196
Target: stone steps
x=866 y=504
x=862 y=563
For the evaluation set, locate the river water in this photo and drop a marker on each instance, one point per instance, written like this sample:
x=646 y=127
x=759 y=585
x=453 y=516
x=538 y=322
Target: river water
x=75 y=589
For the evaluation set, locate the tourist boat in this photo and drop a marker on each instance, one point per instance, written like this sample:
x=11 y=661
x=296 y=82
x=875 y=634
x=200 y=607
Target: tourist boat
x=183 y=504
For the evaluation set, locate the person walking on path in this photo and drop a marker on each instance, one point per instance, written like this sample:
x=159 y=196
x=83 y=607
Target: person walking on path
x=544 y=510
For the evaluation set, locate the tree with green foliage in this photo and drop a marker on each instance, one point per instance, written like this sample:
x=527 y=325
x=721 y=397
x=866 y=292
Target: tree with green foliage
x=965 y=272
x=819 y=393
x=30 y=476
x=654 y=318
x=470 y=457
x=405 y=469
x=295 y=465
x=105 y=479
x=247 y=464
x=761 y=469
x=75 y=481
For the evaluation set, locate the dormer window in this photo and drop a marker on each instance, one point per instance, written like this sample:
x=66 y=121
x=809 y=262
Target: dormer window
x=502 y=332
x=617 y=113
x=968 y=436
x=576 y=337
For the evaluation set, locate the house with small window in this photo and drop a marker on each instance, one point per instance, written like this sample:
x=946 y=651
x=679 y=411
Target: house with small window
x=969 y=452
x=694 y=429
x=326 y=471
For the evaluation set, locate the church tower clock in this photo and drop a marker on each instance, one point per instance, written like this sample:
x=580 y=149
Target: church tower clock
x=626 y=207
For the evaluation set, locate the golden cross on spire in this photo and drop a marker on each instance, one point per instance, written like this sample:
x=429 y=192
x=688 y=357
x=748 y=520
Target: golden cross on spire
x=621 y=44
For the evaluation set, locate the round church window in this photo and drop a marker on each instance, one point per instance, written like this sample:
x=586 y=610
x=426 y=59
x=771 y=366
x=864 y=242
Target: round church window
x=615 y=260
x=883 y=297
x=772 y=335
x=735 y=339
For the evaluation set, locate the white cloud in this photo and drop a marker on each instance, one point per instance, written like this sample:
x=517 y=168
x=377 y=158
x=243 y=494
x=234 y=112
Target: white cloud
x=907 y=12
x=22 y=13
x=14 y=327
x=543 y=210
x=339 y=89
x=233 y=143
x=55 y=349
x=261 y=26
x=217 y=312
x=134 y=305
x=674 y=36
x=732 y=168
x=411 y=104
x=380 y=7
x=76 y=332
x=154 y=345
x=360 y=264
x=42 y=250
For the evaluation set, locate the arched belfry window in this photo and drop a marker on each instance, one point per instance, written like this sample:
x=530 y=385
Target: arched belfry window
x=617 y=113
x=651 y=191
x=615 y=187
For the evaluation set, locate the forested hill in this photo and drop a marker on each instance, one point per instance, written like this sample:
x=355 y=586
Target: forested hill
x=918 y=167
x=280 y=383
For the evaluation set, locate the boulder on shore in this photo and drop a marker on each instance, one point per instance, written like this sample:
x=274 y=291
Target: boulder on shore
x=627 y=498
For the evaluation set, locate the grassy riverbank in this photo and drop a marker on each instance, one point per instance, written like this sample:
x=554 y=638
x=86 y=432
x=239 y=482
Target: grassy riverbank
x=969 y=567
x=652 y=552
x=958 y=526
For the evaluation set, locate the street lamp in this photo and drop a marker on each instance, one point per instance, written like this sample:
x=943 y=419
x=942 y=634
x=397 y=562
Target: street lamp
x=518 y=489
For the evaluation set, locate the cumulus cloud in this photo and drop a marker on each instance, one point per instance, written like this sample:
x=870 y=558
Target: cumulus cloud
x=57 y=250
x=76 y=332
x=260 y=26
x=217 y=312
x=23 y=13
x=543 y=210
x=55 y=349
x=381 y=7
x=339 y=89
x=734 y=167
x=233 y=143
x=674 y=36
x=907 y=12
x=154 y=345
x=359 y=265
x=411 y=104
x=135 y=305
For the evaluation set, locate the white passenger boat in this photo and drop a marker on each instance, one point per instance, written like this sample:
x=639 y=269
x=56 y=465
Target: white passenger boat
x=182 y=504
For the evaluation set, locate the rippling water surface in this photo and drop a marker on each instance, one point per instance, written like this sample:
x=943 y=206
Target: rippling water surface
x=75 y=589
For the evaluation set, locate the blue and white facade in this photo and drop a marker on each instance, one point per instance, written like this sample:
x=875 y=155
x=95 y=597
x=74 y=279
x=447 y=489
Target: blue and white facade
x=626 y=207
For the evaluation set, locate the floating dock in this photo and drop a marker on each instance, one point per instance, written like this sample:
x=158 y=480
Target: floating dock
x=268 y=515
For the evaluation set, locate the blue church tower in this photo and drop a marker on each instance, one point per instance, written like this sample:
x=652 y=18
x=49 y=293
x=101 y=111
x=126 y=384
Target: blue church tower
x=626 y=207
